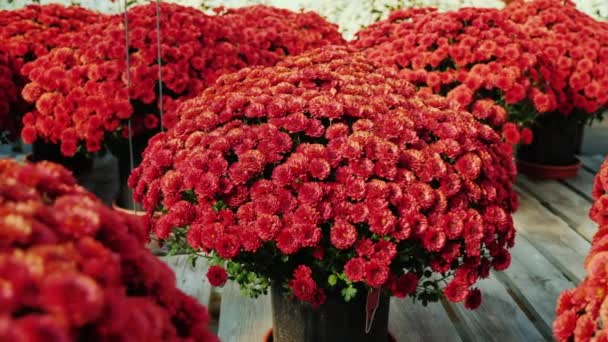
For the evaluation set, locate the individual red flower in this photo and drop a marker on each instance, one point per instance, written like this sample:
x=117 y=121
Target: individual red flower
x=343 y=234
x=405 y=284
x=376 y=274
x=511 y=133
x=473 y=299
x=217 y=275
x=333 y=164
x=456 y=290
x=70 y=266
x=355 y=269
x=526 y=136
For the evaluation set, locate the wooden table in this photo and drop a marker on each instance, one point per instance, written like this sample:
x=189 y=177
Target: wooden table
x=553 y=237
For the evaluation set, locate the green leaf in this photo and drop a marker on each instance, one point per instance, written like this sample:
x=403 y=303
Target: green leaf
x=349 y=293
x=219 y=205
x=332 y=280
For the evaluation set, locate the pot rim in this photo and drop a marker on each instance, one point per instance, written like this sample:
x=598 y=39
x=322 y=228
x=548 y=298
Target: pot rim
x=268 y=335
x=543 y=171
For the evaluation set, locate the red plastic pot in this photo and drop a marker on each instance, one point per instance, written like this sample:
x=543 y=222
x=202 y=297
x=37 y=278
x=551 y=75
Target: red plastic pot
x=548 y=171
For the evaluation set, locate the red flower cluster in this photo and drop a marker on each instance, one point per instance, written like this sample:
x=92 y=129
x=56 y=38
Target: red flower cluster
x=328 y=162
x=474 y=56
x=276 y=32
x=572 y=51
x=304 y=287
x=81 y=94
x=71 y=268
x=34 y=30
x=27 y=34
x=582 y=312
x=9 y=98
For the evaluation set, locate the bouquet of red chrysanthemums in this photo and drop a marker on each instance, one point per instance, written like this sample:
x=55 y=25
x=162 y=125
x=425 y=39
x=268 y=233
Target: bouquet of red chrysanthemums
x=73 y=269
x=330 y=176
x=25 y=35
x=476 y=57
x=81 y=93
x=572 y=51
x=582 y=312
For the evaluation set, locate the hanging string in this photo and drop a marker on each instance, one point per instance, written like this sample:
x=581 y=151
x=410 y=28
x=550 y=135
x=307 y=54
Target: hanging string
x=131 y=157
x=160 y=76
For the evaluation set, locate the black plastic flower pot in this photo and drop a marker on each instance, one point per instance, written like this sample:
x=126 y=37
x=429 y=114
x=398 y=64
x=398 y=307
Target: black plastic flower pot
x=128 y=159
x=79 y=164
x=552 y=153
x=335 y=320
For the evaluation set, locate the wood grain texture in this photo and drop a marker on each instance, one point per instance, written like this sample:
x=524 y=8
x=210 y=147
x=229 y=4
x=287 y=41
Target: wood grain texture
x=534 y=282
x=413 y=322
x=592 y=163
x=497 y=319
x=582 y=183
x=558 y=243
x=562 y=201
x=191 y=280
x=243 y=319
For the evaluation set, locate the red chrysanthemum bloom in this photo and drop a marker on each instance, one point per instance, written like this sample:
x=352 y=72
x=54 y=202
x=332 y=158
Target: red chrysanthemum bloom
x=217 y=275
x=355 y=269
x=473 y=299
x=326 y=157
x=70 y=266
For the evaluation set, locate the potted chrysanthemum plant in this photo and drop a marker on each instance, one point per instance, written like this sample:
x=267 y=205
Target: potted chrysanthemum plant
x=572 y=50
x=73 y=269
x=331 y=183
x=87 y=100
x=581 y=312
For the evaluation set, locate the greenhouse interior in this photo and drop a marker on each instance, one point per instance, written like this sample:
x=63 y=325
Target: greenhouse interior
x=303 y=170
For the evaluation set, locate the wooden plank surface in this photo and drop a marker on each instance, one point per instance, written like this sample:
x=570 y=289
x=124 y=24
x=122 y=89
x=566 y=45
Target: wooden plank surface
x=534 y=282
x=243 y=319
x=582 y=183
x=497 y=319
x=562 y=201
x=413 y=322
x=191 y=280
x=551 y=236
x=592 y=163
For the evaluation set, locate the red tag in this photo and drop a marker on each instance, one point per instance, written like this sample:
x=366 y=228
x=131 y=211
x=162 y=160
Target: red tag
x=373 y=300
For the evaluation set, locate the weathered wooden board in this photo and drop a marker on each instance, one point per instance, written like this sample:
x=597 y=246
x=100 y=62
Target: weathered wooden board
x=582 y=183
x=243 y=319
x=191 y=280
x=592 y=163
x=561 y=245
x=534 y=282
x=563 y=202
x=413 y=322
x=497 y=319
